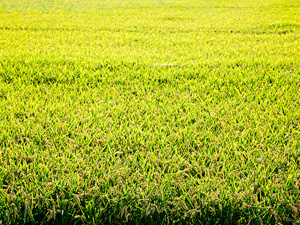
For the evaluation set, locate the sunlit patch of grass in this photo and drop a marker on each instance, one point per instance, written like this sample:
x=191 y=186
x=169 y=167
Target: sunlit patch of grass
x=153 y=112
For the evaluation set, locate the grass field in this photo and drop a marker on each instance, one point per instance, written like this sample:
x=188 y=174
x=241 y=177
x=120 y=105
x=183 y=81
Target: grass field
x=152 y=112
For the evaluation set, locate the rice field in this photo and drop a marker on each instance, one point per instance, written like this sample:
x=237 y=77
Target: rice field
x=149 y=112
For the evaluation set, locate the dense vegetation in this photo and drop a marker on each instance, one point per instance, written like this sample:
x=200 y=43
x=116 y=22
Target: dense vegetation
x=149 y=112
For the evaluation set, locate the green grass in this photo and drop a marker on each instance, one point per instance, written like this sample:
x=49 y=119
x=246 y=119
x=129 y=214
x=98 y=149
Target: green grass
x=153 y=112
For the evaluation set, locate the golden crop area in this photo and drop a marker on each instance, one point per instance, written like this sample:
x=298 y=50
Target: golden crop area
x=149 y=112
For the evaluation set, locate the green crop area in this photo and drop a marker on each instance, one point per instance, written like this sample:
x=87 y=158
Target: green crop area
x=149 y=112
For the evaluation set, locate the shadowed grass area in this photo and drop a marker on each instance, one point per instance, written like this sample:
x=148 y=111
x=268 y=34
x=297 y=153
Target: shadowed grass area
x=149 y=112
